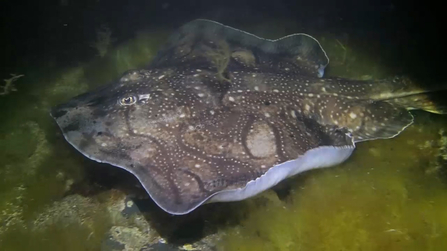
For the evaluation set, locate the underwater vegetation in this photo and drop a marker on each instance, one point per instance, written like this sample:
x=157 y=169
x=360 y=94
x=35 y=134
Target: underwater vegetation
x=390 y=195
x=8 y=86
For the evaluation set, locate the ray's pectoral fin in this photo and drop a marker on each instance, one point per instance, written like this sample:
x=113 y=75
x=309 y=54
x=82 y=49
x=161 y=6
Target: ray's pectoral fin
x=241 y=167
x=301 y=145
x=377 y=120
x=209 y=45
x=175 y=189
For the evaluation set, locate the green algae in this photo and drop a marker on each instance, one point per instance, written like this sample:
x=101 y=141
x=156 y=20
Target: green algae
x=133 y=54
x=75 y=223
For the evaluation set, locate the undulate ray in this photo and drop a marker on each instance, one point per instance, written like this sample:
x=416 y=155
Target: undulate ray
x=222 y=115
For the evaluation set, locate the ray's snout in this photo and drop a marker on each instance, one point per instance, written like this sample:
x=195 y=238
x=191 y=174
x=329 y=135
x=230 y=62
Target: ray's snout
x=83 y=116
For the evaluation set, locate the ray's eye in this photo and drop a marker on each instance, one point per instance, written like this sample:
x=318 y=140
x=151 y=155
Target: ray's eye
x=128 y=100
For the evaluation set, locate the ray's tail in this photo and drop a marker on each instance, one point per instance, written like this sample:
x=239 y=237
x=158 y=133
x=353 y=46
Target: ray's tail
x=407 y=95
x=430 y=101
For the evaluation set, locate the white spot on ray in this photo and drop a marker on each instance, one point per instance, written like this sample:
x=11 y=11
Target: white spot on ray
x=231 y=99
x=267 y=115
x=144 y=96
x=162 y=76
x=353 y=115
x=256 y=88
x=307 y=107
x=201 y=95
x=293 y=113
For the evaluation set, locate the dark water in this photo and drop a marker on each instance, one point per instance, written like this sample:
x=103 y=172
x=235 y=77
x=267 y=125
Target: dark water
x=391 y=195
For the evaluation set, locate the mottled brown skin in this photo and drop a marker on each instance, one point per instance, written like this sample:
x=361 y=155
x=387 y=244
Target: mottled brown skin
x=217 y=108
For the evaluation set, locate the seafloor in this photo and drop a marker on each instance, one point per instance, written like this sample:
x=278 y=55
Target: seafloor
x=390 y=195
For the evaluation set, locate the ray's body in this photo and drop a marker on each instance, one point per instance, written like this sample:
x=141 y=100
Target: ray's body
x=222 y=115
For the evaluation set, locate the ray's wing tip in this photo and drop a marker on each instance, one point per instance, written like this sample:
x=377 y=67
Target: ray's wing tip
x=56 y=112
x=178 y=209
x=301 y=45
